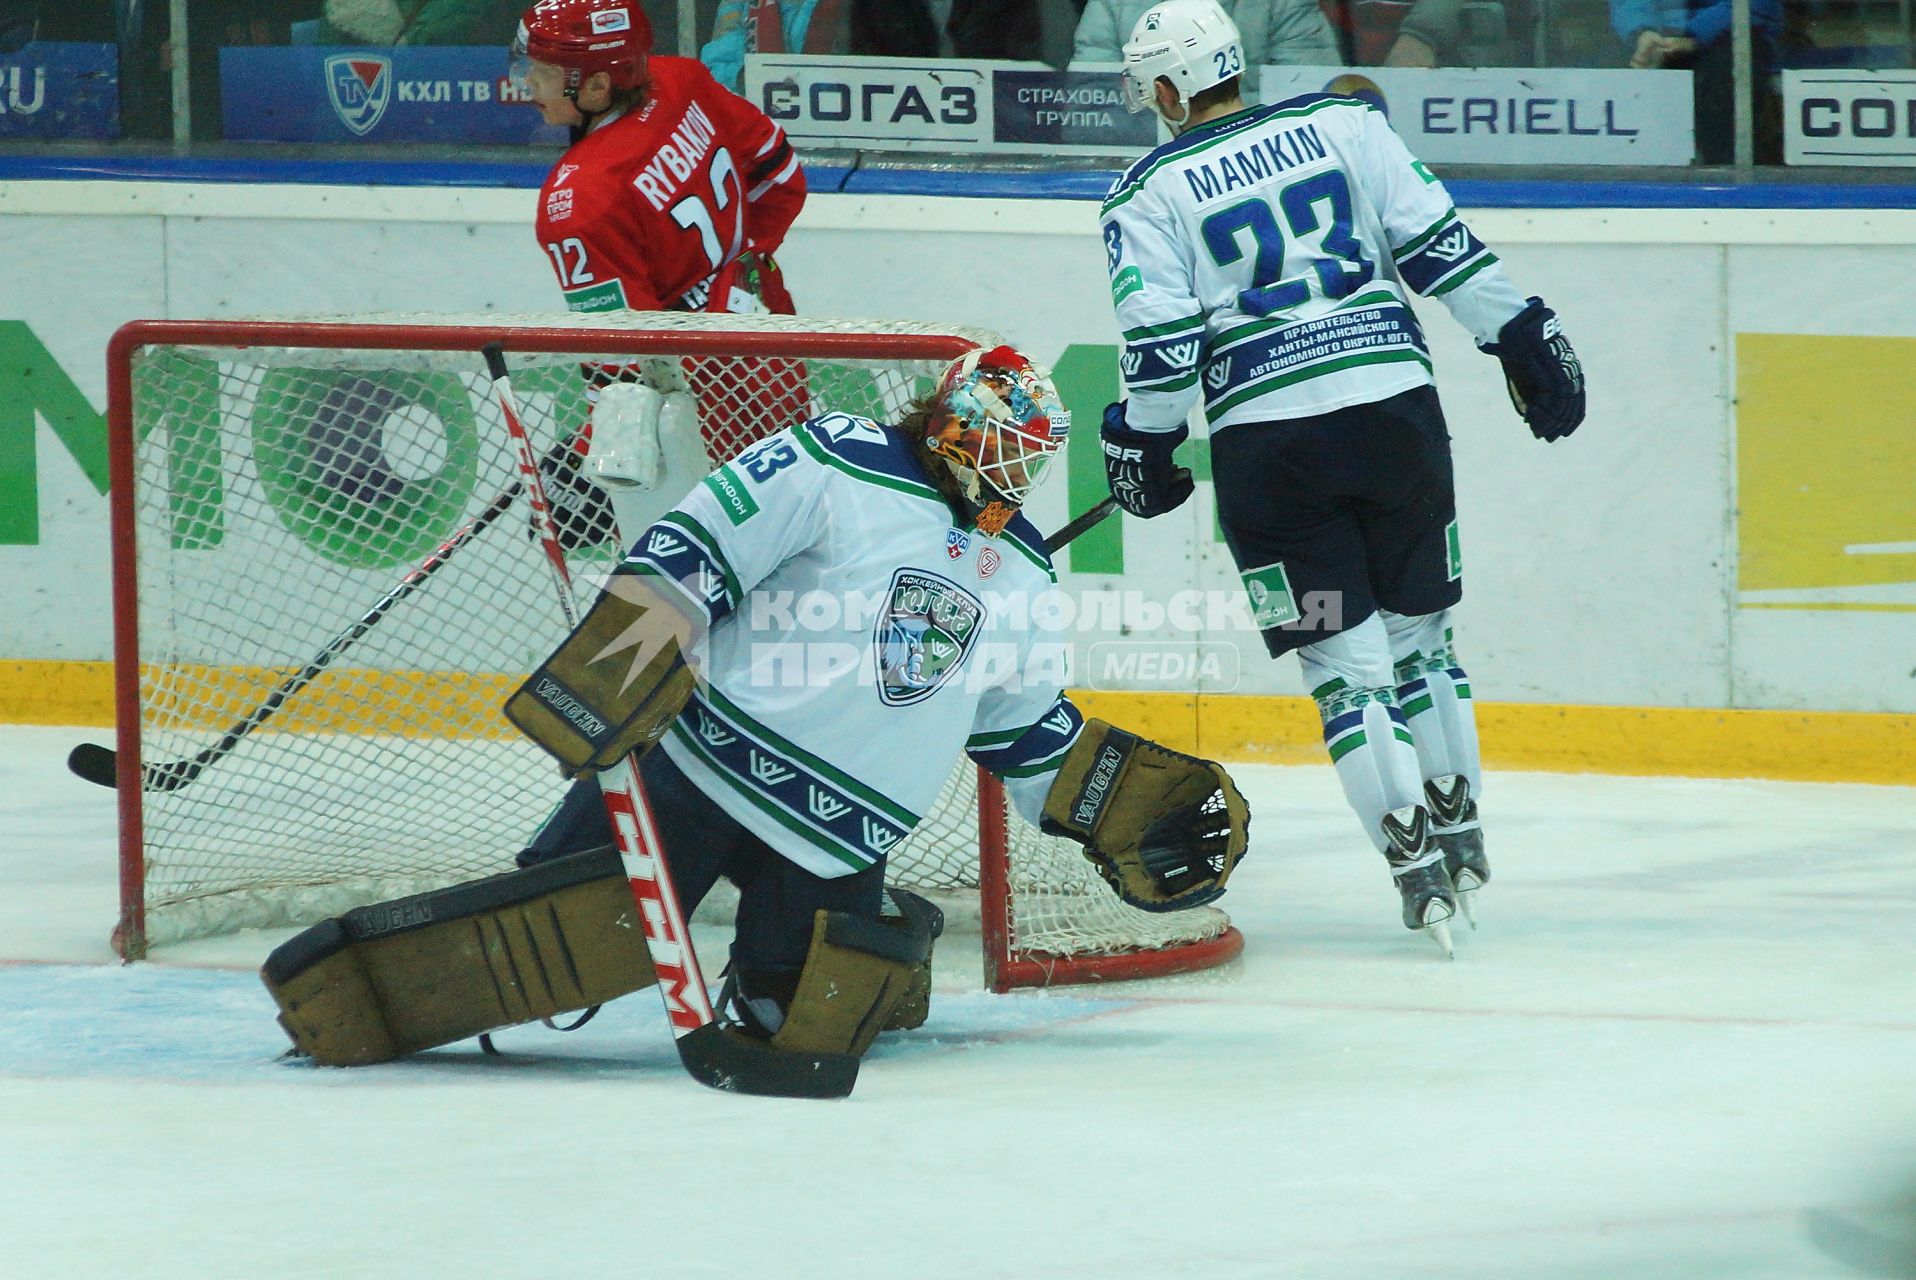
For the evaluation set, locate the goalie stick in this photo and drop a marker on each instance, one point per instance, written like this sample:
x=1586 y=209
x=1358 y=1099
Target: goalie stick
x=709 y=1054
x=99 y=765
x=1090 y=519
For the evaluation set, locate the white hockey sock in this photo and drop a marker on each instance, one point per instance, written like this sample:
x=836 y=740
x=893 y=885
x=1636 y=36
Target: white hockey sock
x=1434 y=693
x=1364 y=730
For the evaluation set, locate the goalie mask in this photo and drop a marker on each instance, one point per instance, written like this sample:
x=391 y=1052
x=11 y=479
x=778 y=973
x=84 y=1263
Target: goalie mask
x=576 y=38
x=997 y=425
x=1191 y=43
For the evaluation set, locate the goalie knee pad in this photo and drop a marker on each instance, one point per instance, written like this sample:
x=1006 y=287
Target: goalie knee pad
x=390 y=979
x=862 y=976
x=1164 y=829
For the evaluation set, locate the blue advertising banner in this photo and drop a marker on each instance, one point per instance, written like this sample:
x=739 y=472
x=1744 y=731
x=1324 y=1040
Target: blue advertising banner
x=1068 y=109
x=307 y=93
x=53 y=89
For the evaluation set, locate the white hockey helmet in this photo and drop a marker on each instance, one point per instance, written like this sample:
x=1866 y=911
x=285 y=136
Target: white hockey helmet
x=1191 y=43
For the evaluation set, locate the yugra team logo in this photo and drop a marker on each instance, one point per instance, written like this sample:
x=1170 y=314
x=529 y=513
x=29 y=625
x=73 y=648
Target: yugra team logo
x=360 y=85
x=924 y=633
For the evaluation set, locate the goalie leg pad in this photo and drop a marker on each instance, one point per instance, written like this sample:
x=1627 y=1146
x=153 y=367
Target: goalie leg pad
x=398 y=977
x=862 y=977
x=1164 y=829
x=903 y=907
x=616 y=683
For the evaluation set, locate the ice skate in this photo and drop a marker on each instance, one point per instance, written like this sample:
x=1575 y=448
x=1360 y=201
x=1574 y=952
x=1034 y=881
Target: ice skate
x=1417 y=864
x=1455 y=828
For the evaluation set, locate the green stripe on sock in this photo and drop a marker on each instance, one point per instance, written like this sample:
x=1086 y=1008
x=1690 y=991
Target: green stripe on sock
x=1417 y=706
x=1345 y=745
x=1403 y=734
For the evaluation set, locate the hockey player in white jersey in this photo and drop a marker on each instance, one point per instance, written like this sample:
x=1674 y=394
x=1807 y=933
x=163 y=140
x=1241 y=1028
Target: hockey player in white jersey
x=1261 y=260
x=813 y=636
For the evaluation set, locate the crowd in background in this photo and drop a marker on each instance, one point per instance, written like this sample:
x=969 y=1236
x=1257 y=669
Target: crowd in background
x=1693 y=34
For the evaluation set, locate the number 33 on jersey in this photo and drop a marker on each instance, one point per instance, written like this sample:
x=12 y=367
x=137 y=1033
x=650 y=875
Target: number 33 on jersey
x=645 y=209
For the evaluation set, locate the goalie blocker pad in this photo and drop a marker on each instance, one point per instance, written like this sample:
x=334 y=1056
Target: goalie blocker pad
x=397 y=977
x=615 y=684
x=1164 y=829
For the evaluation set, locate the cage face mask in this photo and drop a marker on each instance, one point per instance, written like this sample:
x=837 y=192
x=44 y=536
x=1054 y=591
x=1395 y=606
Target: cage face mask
x=1000 y=422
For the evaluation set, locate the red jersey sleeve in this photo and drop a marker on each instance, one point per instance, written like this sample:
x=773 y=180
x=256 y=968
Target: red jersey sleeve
x=773 y=179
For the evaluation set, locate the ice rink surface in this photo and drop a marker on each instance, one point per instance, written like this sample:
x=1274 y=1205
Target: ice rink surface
x=1682 y=1045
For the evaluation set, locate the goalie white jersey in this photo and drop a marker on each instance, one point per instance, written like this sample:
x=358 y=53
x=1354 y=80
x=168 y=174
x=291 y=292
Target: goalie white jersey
x=1263 y=258
x=859 y=641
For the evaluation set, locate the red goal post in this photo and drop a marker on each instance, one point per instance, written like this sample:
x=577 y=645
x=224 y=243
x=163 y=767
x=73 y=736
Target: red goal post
x=272 y=479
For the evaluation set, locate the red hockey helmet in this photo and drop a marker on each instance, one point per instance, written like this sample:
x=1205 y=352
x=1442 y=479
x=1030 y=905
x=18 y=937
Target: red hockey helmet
x=584 y=36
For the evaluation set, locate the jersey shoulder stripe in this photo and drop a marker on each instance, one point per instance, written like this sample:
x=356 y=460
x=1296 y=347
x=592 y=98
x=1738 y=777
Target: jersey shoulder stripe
x=866 y=451
x=1181 y=145
x=1204 y=137
x=1308 y=99
x=1029 y=543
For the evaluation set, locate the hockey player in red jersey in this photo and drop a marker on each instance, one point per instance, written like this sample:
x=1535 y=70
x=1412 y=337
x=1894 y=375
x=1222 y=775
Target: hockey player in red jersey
x=673 y=196
x=675 y=192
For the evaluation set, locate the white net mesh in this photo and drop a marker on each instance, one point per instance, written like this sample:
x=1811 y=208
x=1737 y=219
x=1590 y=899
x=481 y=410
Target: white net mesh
x=286 y=493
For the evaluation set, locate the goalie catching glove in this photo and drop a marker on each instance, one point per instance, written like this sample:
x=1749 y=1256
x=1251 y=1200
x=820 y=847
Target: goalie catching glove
x=1164 y=829
x=617 y=682
x=1541 y=372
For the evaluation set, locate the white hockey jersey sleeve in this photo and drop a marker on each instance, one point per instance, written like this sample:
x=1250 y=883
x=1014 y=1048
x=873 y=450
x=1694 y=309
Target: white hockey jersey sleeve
x=1154 y=292
x=1436 y=253
x=1020 y=734
x=732 y=530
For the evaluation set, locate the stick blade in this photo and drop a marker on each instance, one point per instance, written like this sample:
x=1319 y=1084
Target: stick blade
x=95 y=763
x=722 y=1060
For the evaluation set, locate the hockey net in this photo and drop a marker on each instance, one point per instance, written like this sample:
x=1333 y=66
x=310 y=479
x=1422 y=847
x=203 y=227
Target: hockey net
x=274 y=481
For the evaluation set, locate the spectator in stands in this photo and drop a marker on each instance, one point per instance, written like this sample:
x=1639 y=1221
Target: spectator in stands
x=805 y=26
x=17 y=19
x=1695 y=34
x=139 y=27
x=1011 y=29
x=1015 y=30
x=416 y=22
x=1453 y=33
x=1275 y=33
x=890 y=29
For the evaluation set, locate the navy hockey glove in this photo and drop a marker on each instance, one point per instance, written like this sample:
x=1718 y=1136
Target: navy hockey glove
x=1138 y=467
x=580 y=509
x=1541 y=372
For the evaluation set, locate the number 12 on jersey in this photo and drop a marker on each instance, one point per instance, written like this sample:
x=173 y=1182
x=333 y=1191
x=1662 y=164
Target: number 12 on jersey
x=1340 y=274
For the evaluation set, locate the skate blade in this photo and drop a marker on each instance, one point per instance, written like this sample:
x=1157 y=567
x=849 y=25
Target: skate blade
x=1437 y=915
x=1467 y=904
